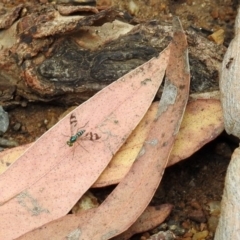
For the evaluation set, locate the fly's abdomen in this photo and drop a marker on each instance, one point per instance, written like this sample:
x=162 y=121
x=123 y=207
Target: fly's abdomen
x=80 y=133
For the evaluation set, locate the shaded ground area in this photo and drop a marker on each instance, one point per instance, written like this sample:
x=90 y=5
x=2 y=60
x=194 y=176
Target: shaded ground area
x=195 y=187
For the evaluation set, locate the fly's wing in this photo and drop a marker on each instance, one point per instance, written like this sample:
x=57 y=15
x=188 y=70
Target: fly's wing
x=74 y=130
x=92 y=136
x=73 y=124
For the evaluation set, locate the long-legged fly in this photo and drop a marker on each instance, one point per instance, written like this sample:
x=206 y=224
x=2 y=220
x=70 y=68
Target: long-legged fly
x=77 y=133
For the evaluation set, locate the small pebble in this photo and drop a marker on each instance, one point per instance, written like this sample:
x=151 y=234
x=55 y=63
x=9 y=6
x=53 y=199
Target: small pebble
x=214 y=208
x=4 y=121
x=192 y=183
x=200 y=235
x=162 y=227
x=52 y=120
x=195 y=204
x=8 y=143
x=186 y=224
x=17 y=126
x=189 y=2
x=87 y=201
x=176 y=228
x=212 y=223
x=188 y=235
x=24 y=103
x=197 y=216
x=133 y=7
x=23 y=128
x=214 y=13
x=168 y=235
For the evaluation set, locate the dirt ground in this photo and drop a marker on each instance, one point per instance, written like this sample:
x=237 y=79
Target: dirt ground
x=193 y=186
x=209 y=15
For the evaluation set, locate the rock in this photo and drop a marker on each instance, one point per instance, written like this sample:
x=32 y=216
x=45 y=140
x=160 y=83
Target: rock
x=4 y=121
x=229 y=222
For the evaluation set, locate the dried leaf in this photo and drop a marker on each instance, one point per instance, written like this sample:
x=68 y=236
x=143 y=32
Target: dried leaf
x=202 y=122
x=132 y=195
x=49 y=178
x=124 y=158
x=59 y=228
x=151 y=217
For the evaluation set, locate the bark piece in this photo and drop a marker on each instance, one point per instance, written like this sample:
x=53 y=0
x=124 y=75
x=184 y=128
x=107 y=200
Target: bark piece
x=9 y=15
x=46 y=38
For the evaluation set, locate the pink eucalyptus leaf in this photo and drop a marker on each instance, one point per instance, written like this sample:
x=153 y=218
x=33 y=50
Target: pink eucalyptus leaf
x=150 y=218
x=202 y=122
x=48 y=179
x=59 y=228
x=133 y=194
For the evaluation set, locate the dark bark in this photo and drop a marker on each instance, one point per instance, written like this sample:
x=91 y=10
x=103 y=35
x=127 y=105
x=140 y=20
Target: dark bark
x=49 y=56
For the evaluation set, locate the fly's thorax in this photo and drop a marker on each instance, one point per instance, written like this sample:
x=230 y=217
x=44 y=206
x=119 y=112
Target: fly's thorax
x=74 y=138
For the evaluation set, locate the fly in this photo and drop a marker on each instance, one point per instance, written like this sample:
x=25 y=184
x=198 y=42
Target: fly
x=74 y=136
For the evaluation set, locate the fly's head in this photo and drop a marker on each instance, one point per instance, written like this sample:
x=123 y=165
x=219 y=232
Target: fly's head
x=71 y=140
